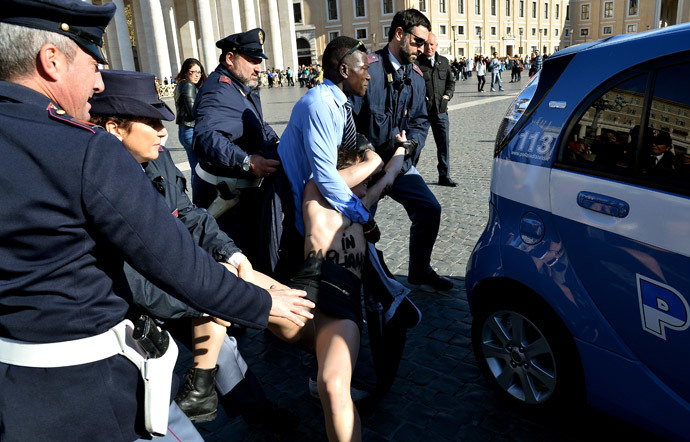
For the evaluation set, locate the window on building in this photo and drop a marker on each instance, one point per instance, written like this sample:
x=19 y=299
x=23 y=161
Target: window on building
x=387 y=6
x=566 y=32
x=632 y=7
x=567 y=12
x=461 y=6
x=546 y=10
x=546 y=32
x=534 y=32
x=584 y=32
x=632 y=28
x=558 y=11
x=333 y=35
x=584 y=12
x=478 y=7
x=332 y=9
x=509 y=31
x=493 y=7
x=461 y=30
x=477 y=30
x=297 y=10
x=508 y=8
x=534 y=9
x=521 y=8
x=493 y=30
x=360 y=8
x=442 y=30
x=422 y=5
x=442 y=6
x=386 y=31
x=608 y=9
x=361 y=33
x=555 y=32
x=608 y=30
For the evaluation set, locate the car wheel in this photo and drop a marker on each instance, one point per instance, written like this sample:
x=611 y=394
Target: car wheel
x=526 y=353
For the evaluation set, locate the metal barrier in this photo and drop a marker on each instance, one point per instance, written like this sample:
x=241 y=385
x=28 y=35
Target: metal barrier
x=166 y=90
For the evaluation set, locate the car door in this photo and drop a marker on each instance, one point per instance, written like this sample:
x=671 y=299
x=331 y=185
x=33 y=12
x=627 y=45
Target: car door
x=625 y=223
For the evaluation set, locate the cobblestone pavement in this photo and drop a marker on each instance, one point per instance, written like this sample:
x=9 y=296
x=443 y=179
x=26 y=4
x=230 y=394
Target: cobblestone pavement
x=439 y=394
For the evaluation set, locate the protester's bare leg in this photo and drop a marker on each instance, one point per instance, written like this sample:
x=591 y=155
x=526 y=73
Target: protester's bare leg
x=207 y=337
x=337 y=348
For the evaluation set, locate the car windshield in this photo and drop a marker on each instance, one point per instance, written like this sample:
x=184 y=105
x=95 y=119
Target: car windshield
x=515 y=112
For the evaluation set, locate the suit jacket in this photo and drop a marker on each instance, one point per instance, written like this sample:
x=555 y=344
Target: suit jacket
x=439 y=80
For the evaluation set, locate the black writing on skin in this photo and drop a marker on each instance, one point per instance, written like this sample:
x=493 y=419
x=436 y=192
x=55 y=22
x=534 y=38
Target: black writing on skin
x=344 y=259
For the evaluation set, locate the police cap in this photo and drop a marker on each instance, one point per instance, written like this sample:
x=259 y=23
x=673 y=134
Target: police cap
x=659 y=137
x=82 y=22
x=250 y=43
x=130 y=93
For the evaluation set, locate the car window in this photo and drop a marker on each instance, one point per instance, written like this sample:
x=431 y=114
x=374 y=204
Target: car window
x=666 y=150
x=606 y=134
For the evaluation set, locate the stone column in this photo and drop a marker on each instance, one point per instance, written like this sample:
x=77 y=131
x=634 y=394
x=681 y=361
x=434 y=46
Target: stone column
x=230 y=20
x=249 y=14
x=152 y=15
x=289 y=42
x=274 y=35
x=171 y=32
x=119 y=34
x=208 y=41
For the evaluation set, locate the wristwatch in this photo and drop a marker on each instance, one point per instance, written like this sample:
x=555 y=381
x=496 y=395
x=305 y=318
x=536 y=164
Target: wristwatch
x=246 y=163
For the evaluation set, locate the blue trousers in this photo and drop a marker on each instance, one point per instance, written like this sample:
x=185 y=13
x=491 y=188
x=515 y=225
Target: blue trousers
x=186 y=136
x=440 y=128
x=496 y=77
x=424 y=211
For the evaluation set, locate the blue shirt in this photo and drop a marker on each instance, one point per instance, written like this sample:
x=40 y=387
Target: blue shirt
x=309 y=149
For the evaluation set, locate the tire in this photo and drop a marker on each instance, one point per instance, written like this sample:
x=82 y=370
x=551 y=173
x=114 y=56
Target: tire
x=526 y=353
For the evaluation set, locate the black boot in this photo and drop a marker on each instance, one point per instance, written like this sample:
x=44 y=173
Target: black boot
x=198 y=398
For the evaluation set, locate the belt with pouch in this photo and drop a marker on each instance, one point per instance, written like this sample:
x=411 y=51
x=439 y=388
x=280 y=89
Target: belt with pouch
x=156 y=372
x=233 y=183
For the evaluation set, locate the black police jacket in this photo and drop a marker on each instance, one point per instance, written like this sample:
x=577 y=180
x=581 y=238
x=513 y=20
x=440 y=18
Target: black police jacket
x=229 y=125
x=392 y=103
x=171 y=184
x=75 y=204
x=439 y=81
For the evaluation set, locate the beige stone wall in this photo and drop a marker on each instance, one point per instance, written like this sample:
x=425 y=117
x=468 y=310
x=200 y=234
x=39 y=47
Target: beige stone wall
x=499 y=27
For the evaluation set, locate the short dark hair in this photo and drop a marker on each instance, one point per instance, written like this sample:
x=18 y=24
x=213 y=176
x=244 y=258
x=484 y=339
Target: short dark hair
x=408 y=20
x=335 y=51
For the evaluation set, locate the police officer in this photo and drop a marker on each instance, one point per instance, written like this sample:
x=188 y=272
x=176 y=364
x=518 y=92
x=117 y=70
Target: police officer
x=232 y=140
x=440 y=86
x=393 y=112
x=70 y=215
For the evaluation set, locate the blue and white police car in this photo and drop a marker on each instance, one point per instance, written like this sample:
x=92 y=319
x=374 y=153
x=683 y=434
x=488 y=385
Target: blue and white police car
x=580 y=284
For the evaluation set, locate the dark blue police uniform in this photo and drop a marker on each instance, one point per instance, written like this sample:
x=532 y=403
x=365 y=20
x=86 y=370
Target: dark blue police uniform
x=229 y=126
x=71 y=212
x=394 y=103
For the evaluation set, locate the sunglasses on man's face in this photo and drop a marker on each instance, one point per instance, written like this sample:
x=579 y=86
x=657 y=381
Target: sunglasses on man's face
x=359 y=46
x=417 y=41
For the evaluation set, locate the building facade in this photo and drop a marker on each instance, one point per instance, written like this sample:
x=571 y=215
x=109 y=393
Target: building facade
x=156 y=36
x=466 y=28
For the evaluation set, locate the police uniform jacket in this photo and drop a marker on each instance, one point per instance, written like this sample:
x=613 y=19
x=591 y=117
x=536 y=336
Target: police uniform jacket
x=74 y=205
x=392 y=103
x=439 y=81
x=171 y=184
x=229 y=125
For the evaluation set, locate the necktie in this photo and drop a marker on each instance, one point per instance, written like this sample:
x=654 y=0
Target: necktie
x=350 y=132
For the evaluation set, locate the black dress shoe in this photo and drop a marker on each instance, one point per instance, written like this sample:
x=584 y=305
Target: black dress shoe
x=447 y=182
x=431 y=283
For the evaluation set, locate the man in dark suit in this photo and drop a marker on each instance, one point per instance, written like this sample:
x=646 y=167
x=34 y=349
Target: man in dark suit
x=440 y=86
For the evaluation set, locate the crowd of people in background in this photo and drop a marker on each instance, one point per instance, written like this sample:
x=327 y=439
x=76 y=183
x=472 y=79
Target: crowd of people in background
x=307 y=76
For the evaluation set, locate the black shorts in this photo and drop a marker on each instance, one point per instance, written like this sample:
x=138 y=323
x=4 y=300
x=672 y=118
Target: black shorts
x=335 y=290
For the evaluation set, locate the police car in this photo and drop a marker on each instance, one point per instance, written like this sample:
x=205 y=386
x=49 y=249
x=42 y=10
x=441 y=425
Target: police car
x=580 y=284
